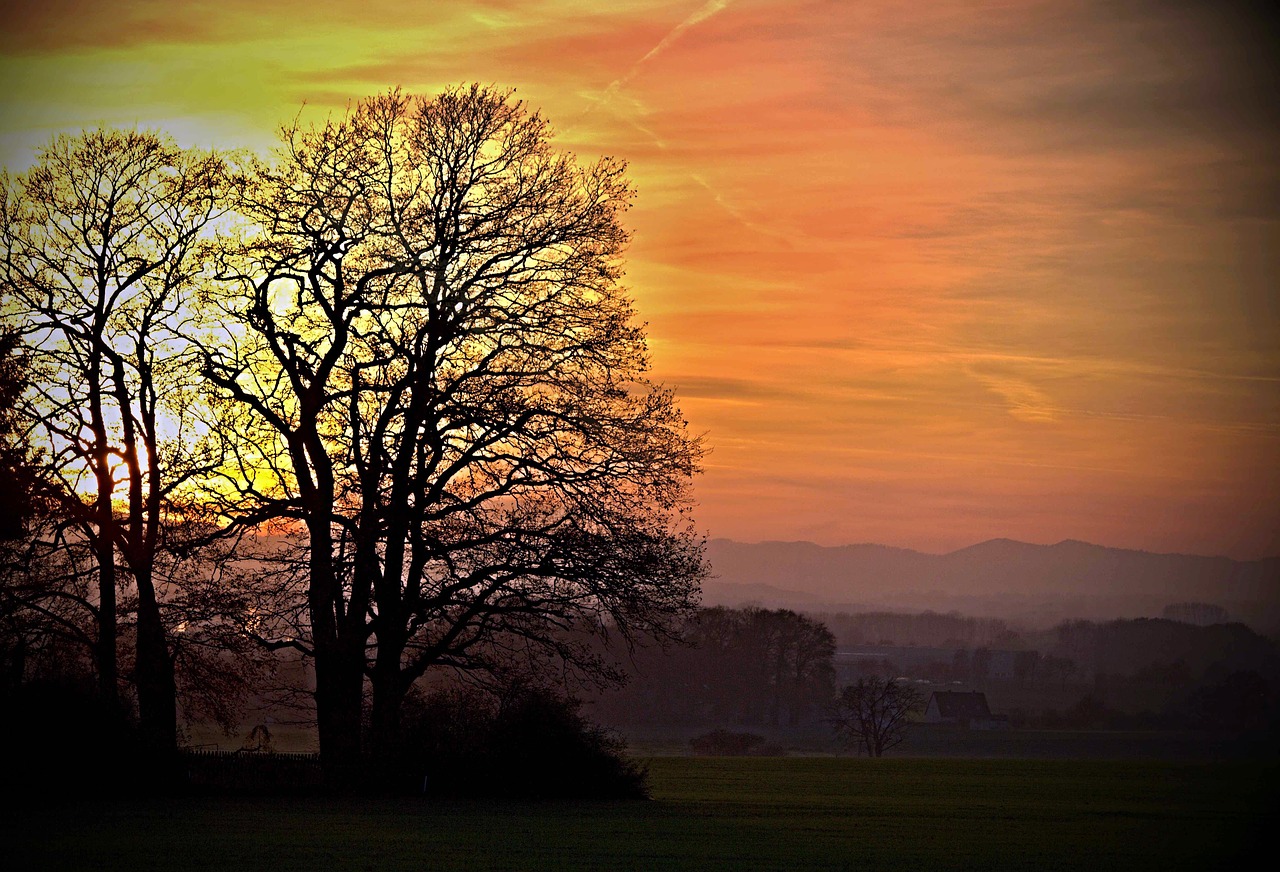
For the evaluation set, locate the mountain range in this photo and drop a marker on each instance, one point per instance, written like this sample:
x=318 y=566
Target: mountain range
x=1033 y=584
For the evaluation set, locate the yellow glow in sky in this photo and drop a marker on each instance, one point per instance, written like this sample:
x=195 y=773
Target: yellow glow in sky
x=925 y=274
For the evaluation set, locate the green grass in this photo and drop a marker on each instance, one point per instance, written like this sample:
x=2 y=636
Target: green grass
x=728 y=813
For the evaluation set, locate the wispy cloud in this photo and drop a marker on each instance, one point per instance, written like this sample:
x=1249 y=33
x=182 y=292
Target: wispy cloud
x=1023 y=400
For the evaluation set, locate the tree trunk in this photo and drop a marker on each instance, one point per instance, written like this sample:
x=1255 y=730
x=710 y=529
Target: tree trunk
x=104 y=655
x=339 y=659
x=157 y=688
x=106 y=658
x=339 y=703
x=388 y=700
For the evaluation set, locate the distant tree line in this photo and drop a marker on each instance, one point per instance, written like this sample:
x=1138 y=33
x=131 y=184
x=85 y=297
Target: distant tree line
x=741 y=667
x=1126 y=647
x=934 y=629
x=1163 y=675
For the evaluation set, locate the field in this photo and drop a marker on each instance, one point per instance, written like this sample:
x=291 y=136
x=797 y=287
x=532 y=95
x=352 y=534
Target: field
x=726 y=813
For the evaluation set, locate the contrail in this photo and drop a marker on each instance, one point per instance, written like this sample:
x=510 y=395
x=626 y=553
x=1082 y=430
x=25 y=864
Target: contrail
x=708 y=9
x=711 y=7
x=737 y=214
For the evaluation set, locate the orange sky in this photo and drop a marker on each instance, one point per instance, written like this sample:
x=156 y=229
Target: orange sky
x=925 y=273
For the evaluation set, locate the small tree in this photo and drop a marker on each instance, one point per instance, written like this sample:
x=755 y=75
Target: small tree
x=100 y=242
x=871 y=715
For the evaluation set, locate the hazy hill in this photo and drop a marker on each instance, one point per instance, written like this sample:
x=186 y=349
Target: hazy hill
x=1000 y=578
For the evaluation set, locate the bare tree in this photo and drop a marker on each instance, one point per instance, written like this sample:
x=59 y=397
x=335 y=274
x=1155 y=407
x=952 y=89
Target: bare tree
x=433 y=373
x=99 y=240
x=872 y=715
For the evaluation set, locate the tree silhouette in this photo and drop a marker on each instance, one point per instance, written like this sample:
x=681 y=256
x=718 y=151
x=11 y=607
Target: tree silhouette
x=22 y=631
x=436 y=386
x=742 y=666
x=19 y=484
x=100 y=240
x=871 y=715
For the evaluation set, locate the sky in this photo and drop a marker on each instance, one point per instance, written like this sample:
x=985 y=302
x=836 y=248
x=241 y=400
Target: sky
x=924 y=274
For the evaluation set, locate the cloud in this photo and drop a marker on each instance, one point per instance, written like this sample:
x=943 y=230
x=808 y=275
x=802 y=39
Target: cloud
x=726 y=389
x=951 y=265
x=43 y=26
x=1023 y=400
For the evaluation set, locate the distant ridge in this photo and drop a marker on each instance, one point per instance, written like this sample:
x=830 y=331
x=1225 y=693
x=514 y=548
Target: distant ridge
x=999 y=578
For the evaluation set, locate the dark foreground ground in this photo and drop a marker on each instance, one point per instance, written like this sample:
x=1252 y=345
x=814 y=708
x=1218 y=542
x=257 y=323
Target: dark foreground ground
x=724 y=813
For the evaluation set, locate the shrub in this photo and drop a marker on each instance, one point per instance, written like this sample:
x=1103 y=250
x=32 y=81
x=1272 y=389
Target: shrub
x=58 y=740
x=725 y=743
x=530 y=744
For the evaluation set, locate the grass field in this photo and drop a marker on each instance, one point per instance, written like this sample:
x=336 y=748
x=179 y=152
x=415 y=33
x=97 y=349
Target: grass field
x=726 y=813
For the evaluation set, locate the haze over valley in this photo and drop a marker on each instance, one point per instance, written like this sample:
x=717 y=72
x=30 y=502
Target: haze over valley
x=1036 y=585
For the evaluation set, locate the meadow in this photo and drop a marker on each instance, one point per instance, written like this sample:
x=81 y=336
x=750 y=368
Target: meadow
x=819 y=813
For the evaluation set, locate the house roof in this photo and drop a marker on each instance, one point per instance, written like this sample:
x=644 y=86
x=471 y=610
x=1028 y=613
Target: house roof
x=961 y=704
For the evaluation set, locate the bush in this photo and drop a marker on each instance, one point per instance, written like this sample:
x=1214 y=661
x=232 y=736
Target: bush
x=1242 y=701
x=724 y=743
x=531 y=744
x=58 y=740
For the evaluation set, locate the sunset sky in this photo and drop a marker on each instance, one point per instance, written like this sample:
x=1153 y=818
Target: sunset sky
x=924 y=273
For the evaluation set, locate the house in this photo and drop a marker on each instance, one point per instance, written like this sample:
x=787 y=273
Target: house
x=963 y=708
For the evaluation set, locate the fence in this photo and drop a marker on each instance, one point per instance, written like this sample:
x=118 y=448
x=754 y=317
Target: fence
x=252 y=771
